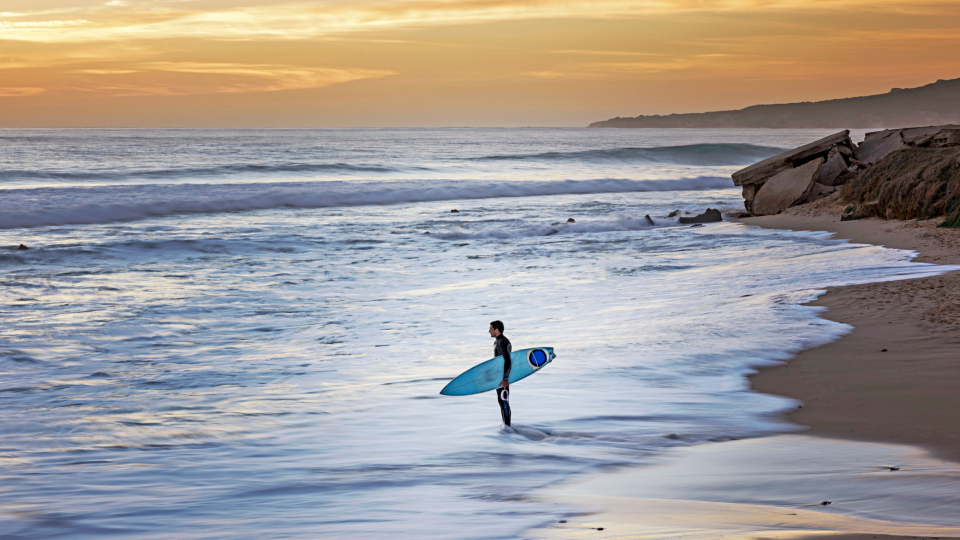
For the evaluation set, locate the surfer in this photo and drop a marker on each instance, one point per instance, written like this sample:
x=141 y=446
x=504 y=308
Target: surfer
x=503 y=348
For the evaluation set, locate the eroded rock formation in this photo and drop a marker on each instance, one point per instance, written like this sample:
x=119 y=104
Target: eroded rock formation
x=815 y=170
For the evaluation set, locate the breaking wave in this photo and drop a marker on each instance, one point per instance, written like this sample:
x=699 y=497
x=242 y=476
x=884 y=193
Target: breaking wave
x=689 y=154
x=24 y=208
x=199 y=172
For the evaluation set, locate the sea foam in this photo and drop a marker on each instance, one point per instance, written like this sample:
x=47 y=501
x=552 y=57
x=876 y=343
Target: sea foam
x=25 y=208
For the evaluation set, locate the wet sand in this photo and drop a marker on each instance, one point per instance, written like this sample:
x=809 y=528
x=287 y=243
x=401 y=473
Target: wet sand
x=854 y=389
x=883 y=439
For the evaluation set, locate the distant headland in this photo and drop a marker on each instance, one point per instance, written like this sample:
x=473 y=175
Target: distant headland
x=937 y=103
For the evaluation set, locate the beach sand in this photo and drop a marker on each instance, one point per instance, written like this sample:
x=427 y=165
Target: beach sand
x=852 y=388
x=867 y=410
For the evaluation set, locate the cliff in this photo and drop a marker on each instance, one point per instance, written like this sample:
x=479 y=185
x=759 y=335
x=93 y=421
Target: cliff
x=937 y=103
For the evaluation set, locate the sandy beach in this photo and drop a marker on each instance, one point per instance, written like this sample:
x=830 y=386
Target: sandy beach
x=880 y=445
x=893 y=379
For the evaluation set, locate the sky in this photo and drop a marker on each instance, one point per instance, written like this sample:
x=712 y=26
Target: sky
x=382 y=63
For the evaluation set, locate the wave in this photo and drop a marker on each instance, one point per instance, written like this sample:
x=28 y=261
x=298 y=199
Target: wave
x=622 y=223
x=199 y=172
x=25 y=208
x=689 y=154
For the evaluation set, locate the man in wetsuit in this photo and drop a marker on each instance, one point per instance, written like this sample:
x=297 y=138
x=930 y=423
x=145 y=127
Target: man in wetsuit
x=502 y=348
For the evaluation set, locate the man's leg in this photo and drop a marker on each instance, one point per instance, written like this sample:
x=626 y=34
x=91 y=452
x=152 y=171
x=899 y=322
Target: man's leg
x=503 y=398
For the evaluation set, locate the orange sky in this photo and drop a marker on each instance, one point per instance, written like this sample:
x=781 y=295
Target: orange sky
x=448 y=63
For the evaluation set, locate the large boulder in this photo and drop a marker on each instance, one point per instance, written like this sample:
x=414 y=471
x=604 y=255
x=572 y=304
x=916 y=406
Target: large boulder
x=758 y=173
x=787 y=188
x=879 y=144
x=832 y=168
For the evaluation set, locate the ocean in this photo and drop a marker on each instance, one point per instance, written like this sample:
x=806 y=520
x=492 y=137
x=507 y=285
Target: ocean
x=243 y=333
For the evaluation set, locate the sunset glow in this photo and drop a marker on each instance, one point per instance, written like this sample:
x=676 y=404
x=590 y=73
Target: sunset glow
x=435 y=63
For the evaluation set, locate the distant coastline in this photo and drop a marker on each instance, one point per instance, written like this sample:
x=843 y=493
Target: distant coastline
x=936 y=103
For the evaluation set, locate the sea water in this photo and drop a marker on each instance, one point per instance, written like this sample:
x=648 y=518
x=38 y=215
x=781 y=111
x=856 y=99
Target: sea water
x=243 y=333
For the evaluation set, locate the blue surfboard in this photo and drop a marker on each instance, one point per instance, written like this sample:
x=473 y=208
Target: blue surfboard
x=487 y=376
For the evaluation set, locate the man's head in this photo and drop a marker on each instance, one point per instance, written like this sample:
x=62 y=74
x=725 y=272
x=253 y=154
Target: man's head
x=496 y=328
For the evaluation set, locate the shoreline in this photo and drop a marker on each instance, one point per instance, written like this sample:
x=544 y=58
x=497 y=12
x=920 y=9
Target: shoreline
x=853 y=389
x=882 y=435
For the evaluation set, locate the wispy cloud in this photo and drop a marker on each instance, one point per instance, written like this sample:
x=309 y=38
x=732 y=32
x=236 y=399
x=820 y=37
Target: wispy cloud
x=21 y=91
x=186 y=78
x=116 y=21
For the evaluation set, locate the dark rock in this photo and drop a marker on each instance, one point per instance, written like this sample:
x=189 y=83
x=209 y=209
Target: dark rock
x=461 y=245
x=426 y=232
x=454 y=211
x=818 y=192
x=697 y=225
x=894 y=468
x=883 y=350
x=649 y=219
x=23 y=247
x=879 y=145
x=832 y=168
x=917 y=136
x=946 y=137
x=787 y=188
x=852 y=216
x=675 y=213
x=741 y=215
x=710 y=216
x=563 y=521
x=571 y=220
x=824 y=503
x=849 y=174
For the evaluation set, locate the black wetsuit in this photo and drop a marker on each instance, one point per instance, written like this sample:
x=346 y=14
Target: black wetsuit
x=503 y=348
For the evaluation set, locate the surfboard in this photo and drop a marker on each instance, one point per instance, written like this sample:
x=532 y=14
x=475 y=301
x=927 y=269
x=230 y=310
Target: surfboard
x=487 y=376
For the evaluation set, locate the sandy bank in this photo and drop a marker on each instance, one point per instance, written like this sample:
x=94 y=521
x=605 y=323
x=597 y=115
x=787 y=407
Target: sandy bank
x=852 y=388
x=895 y=405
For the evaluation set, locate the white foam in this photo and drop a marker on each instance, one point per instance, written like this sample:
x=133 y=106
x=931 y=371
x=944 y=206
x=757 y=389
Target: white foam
x=24 y=208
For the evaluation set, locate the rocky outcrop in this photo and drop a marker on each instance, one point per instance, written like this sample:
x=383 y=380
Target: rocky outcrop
x=816 y=170
x=837 y=147
x=710 y=216
x=915 y=183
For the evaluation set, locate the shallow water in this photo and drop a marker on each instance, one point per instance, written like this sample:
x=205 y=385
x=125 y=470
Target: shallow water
x=196 y=347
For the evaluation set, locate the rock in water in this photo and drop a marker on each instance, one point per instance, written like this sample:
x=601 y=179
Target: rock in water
x=571 y=220
x=710 y=216
x=649 y=220
x=786 y=189
x=675 y=213
x=23 y=247
x=454 y=211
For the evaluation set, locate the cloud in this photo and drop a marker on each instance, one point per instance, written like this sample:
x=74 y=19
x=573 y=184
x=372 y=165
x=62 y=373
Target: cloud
x=21 y=92
x=187 y=78
x=302 y=21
